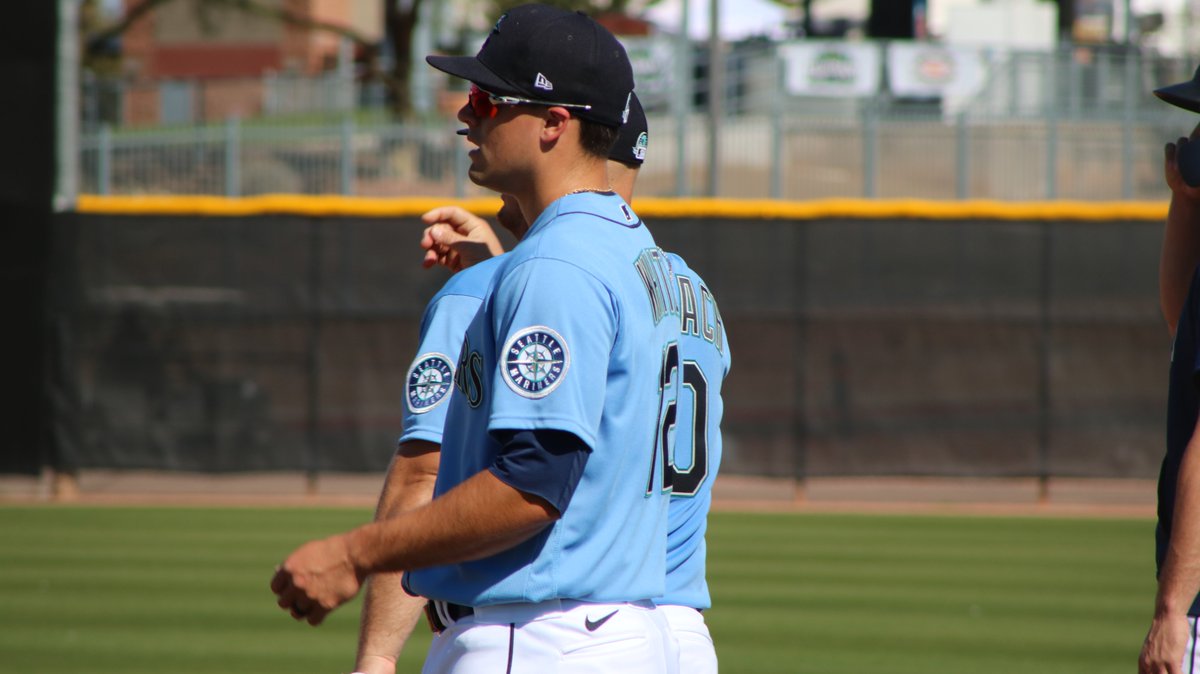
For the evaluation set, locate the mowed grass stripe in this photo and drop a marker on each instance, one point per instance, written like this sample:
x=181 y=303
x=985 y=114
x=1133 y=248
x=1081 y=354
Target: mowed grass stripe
x=847 y=593
x=137 y=590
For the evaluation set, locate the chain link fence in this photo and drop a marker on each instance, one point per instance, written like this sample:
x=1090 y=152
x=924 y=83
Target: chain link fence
x=1077 y=123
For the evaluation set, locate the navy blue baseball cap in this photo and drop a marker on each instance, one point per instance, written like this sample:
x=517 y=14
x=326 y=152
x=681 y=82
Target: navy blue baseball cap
x=630 y=148
x=549 y=54
x=1185 y=95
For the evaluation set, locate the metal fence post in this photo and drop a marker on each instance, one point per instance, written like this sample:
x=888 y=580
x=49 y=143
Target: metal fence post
x=777 y=131
x=1074 y=85
x=347 y=154
x=1051 y=108
x=962 y=159
x=104 y=160
x=870 y=134
x=1130 y=94
x=233 y=178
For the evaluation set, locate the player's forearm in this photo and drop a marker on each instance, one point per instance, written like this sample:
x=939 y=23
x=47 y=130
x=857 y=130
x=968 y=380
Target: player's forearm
x=1179 y=579
x=1180 y=255
x=389 y=613
x=478 y=518
x=410 y=478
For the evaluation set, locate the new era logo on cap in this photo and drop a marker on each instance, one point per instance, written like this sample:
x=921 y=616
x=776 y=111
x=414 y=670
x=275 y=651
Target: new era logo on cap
x=542 y=83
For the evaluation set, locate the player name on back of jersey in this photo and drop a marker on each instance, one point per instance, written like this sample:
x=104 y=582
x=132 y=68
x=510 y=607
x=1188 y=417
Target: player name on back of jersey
x=699 y=316
x=657 y=277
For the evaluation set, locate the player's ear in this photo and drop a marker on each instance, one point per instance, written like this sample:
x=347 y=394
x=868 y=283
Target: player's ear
x=555 y=123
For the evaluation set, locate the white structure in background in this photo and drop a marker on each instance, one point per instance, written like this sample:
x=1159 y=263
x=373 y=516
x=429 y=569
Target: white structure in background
x=1014 y=24
x=1179 y=34
x=995 y=31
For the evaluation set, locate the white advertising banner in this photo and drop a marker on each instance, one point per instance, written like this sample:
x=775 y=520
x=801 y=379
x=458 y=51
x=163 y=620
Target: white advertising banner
x=923 y=70
x=829 y=68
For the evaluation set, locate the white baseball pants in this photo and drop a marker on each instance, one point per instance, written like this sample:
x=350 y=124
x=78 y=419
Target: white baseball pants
x=696 y=652
x=556 y=636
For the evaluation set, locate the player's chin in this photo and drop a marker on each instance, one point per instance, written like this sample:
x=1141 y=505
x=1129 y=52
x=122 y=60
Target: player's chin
x=479 y=175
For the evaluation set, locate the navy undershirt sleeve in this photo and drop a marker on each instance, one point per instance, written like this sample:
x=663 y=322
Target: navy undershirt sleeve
x=544 y=463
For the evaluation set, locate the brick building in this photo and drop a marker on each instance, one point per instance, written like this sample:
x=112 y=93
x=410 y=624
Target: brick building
x=190 y=61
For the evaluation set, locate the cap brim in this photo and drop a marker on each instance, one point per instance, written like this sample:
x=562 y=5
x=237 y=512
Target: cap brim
x=469 y=68
x=1184 y=95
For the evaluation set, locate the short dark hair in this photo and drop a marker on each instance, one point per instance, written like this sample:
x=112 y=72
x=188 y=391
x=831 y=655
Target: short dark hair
x=597 y=139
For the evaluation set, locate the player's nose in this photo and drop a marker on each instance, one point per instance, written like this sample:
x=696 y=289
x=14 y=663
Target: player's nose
x=466 y=115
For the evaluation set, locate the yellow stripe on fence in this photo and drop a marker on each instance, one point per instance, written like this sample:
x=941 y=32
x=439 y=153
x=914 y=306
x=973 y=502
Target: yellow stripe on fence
x=749 y=209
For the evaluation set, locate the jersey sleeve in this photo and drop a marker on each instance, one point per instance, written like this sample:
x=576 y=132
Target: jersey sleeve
x=555 y=325
x=430 y=379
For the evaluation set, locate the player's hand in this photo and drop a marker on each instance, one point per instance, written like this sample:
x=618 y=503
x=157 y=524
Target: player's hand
x=457 y=239
x=1179 y=188
x=1162 y=652
x=315 y=579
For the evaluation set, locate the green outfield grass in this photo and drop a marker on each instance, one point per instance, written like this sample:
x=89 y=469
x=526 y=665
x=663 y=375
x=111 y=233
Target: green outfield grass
x=180 y=590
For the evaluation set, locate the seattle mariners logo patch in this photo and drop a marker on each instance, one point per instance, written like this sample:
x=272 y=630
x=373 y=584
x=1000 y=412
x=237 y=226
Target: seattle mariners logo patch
x=535 y=361
x=429 y=380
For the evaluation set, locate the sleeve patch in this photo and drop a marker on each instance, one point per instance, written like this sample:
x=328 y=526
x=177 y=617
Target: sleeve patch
x=536 y=360
x=429 y=382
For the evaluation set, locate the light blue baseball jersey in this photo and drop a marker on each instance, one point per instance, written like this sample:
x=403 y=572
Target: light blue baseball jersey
x=705 y=357
x=572 y=336
x=431 y=375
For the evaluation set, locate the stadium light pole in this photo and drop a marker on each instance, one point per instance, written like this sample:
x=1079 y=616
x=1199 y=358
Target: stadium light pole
x=66 y=184
x=716 y=95
x=682 y=98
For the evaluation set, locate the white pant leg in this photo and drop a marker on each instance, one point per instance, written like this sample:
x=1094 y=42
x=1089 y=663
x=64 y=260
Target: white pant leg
x=556 y=636
x=466 y=647
x=696 y=652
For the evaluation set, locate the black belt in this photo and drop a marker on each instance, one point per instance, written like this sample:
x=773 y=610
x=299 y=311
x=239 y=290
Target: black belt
x=434 y=610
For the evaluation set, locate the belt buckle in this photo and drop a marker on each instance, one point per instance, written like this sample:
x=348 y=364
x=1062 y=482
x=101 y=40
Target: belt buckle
x=436 y=624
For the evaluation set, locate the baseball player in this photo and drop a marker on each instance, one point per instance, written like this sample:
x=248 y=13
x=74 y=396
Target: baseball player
x=697 y=416
x=1171 y=643
x=389 y=614
x=543 y=546
x=704 y=353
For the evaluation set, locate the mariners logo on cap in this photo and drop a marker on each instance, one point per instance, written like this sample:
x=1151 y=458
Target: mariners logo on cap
x=429 y=380
x=535 y=361
x=639 y=148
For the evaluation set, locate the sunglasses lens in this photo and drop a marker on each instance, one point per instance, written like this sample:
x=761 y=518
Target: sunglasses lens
x=481 y=105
